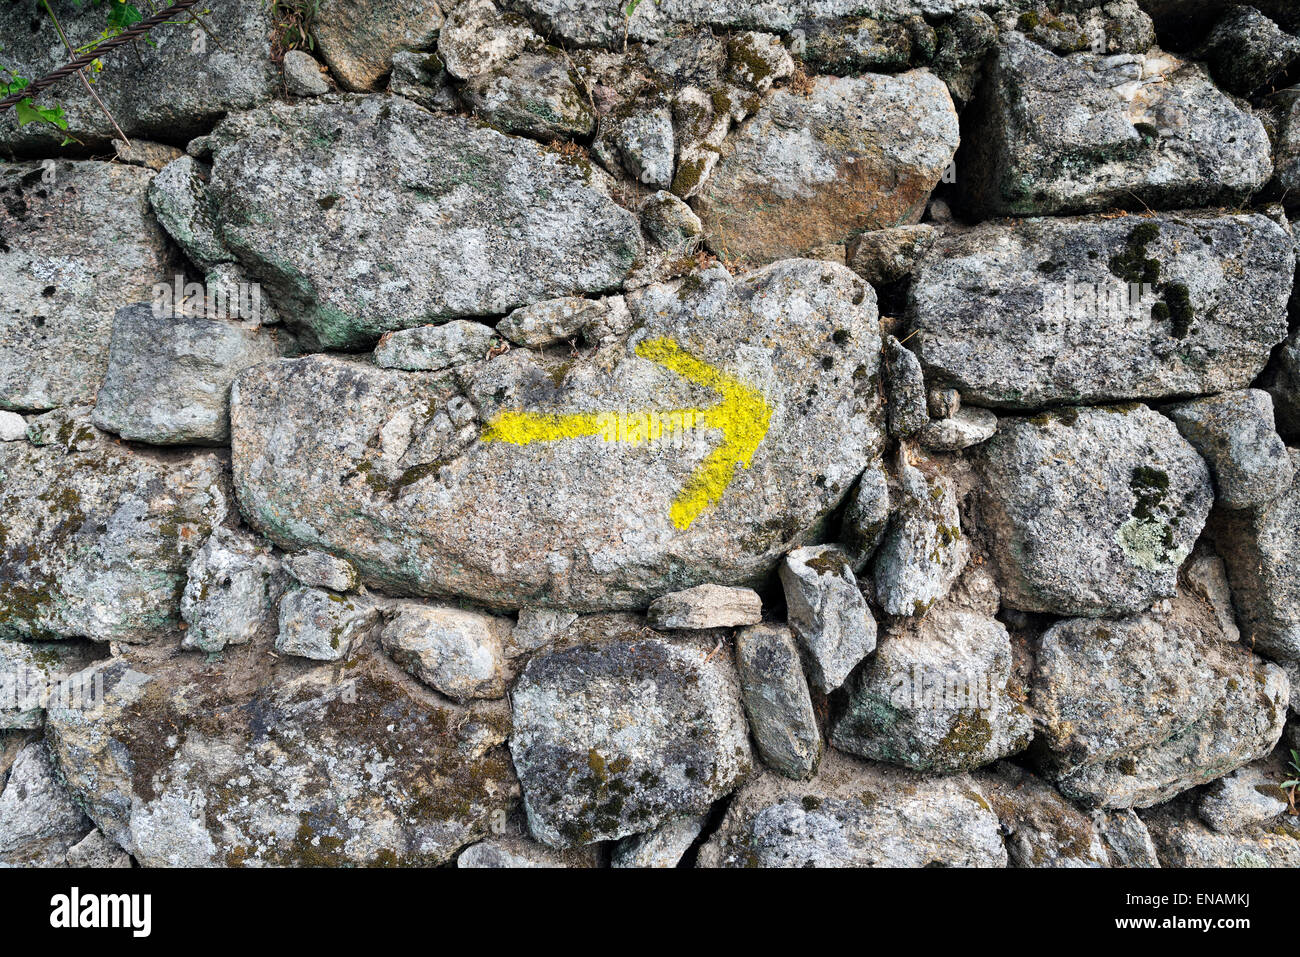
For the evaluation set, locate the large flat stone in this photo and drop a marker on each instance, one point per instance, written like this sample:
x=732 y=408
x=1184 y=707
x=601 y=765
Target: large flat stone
x=1137 y=710
x=1091 y=511
x=455 y=487
x=1090 y=131
x=387 y=216
x=991 y=317
x=607 y=21
x=263 y=762
x=856 y=814
x=59 y=285
x=95 y=539
x=617 y=736
x=854 y=154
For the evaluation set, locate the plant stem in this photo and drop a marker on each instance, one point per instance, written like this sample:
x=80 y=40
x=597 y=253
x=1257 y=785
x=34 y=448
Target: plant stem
x=89 y=89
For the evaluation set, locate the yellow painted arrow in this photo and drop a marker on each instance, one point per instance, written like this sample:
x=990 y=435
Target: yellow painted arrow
x=741 y=414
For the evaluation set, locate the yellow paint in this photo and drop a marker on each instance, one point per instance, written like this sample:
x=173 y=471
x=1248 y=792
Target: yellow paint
x=741 y=414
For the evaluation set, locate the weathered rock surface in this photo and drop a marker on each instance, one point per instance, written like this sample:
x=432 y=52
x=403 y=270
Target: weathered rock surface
x=13 y=427
x=1091 y=511
x=1183 y=841
x=39 y=821
x=176 y=89
x=458 y=652
x=259 y=762
x=515 y=851
x=406 y=488
x=358 y=41
x=1205 y=576
x=231 y=591
x=857 y=45
x=317 y=569
x=963 y=44
x=887 y=255
x=608 y=22
x=617 y=736
x=320 y=624
x=830 y=618
x=549 y=321
x=923 y=550
x=1137 y=710
x=1246 y=49
x=1286 y=144
x=706 y=606
x=422 y=78
x=866 y=517
x=662 y=847
x=477 y=37
x=1282 y=381
x=757 y=60
x=907 y=404
x=431 y=348
x=303 y=75
x=534 y=94
x=857 y=153
x=777 y=702
x=1235 y=434
x=145 y=153
x=538 y=627
x=645 y=143
x=28 y=673
x=59 y=290
x=937 y=695
x=95 y=539
x=1246 y=797
x=95 y=850
x=11 y=745
x=1042 y=829
x=855 y=814
x=1127 y=840
x=1027 y=313
x=1259 y=548
x=1088 y=131
x=169 y=376
x=179 y=198
x=671 y=223
x=485 y=222
x=968 y=426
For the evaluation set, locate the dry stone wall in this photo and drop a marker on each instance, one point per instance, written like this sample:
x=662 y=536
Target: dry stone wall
x=570 y=433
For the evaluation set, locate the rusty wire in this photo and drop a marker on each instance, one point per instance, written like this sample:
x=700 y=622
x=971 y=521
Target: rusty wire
x=93 y=54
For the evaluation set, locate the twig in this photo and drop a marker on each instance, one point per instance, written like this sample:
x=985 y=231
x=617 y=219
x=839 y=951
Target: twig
x=85 y=82
x=195 y=18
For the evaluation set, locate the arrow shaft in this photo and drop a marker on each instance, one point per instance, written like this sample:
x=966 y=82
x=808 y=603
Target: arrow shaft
x=741 y=414
x=630 y=428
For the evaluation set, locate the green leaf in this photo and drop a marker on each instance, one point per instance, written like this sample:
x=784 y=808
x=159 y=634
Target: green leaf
x=1291 y=784
x=14 y=85
x=122 y=15
x=29 y=112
